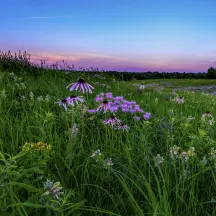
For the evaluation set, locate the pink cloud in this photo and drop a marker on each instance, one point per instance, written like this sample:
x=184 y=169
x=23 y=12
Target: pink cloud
x=152 y=62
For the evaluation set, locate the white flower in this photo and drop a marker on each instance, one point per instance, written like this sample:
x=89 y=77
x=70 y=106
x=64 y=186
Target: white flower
x=159 y=160
x=142 y=87
x=109 y=162
x=173 y=151
x=75 y=129
x=40 y=98
x=95 y=153
x=47 y=98
x=22 y=97
x=31 y=95
x=204 y=161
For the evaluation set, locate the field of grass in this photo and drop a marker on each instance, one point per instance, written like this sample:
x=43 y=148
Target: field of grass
x=179 y=82
x=55 y=161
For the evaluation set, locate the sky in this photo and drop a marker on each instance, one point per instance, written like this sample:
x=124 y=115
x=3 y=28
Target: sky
x=124 y=35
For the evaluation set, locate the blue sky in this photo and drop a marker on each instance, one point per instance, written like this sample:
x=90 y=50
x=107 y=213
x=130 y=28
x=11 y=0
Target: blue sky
x=126 y=35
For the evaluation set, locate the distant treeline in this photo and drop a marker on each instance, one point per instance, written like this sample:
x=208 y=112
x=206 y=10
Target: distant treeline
x=20 y=62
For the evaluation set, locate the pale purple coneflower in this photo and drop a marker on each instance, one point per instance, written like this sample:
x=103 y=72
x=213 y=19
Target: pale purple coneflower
x=105 y=105
x=82 y=85
x=207 y=114
x=112 y=120
x=147 y=115
x=180 y=100
x=71 y=99
x=123 y=127
x=63 y=103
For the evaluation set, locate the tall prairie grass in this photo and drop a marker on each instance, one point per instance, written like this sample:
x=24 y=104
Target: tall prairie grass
x=164 y=165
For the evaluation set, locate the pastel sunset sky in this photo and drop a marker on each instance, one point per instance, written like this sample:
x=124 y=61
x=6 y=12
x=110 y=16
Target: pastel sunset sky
x=124 y=35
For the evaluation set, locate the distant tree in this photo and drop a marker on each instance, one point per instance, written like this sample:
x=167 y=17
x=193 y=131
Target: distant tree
x=211 y=74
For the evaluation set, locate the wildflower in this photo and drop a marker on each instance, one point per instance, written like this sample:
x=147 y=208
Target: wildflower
x=22 y=86
x=208 y=118
x=114 y=108
x=109 y=95
x=174 y=94
x=156 y=100
x=112 y=120
x=92 y=111
x=52 y=189
x=40 y=98
x=63 y=103
x=179 y=100
x=104 y=105
x=31 y=95
x=118 y=98
x=137 y=109
x=212 y=152
x=159 y=160
x=211 y=121
x=109 y=162
x=41 y=146
x=71 y=99
x=142 y=86
x=173 y=151
x=207 y=114
x=204 y=161
x=99 y=98
x=74 y=130
x=82 y=85
x=147 y=115
x=191 y=151
x=47 y=98
x=123 y=127
x=22 y=97
x=95 y=153
x=184 y=155
x=137 y=118
x=190 y=118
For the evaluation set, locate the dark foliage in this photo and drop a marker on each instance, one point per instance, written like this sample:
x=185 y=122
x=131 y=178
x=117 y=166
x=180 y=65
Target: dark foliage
x=20 y=63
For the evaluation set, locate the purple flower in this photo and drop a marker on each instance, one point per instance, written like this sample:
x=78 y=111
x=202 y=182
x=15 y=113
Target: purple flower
x=81 y=85
x=63 y=103
x=125 y=110
x=114 y=108
x=118 y=98
x=132 y=110
x=112 y=120
x=99 y=98
x=71 y=99
x=124 y=106
x=123 y=127
x=137 y=118
x=109 y=95
x=105 y=105
x=147 y=115
x=92 y=111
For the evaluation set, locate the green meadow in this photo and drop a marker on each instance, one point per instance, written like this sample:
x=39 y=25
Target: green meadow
x=73 y=162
